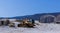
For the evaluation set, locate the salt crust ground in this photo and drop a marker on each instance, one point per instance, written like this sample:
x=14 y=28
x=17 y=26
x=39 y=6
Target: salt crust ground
x=41 y=28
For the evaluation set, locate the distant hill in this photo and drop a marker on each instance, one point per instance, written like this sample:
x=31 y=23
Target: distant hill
x=35 y=16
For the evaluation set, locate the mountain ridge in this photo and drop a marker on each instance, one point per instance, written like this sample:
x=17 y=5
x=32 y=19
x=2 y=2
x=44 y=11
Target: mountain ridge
x=35 y=16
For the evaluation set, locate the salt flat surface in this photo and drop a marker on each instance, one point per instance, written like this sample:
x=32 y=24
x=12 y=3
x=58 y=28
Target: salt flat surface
x=41 y=28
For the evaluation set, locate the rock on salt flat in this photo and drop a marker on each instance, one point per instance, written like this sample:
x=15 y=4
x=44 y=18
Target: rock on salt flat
x=41 y=28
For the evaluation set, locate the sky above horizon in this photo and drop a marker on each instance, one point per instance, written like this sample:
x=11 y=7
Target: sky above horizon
x=11 y=8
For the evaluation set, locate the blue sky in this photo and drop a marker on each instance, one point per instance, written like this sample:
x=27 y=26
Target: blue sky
x=10 y=8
